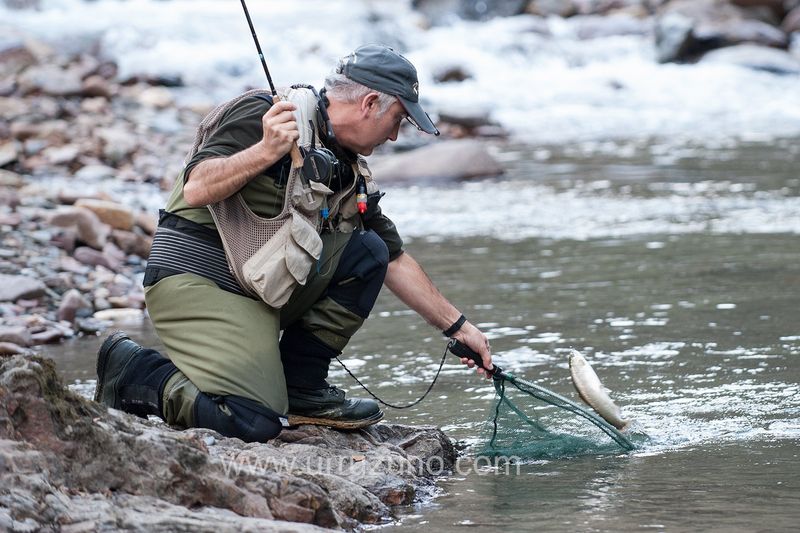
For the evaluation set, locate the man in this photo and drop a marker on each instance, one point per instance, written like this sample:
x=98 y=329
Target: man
x=229 y=368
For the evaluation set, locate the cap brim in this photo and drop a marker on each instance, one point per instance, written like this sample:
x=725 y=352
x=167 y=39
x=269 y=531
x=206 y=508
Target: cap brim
x=420 y=117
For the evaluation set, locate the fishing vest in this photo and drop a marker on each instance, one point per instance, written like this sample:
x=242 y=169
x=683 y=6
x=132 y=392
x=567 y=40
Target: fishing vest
x=269 y=257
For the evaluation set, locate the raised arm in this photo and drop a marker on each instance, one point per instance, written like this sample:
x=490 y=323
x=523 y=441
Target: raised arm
x=217 y=178
x=406 y=279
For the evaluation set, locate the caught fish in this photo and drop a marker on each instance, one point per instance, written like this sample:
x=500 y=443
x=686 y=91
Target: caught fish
x=593 y=393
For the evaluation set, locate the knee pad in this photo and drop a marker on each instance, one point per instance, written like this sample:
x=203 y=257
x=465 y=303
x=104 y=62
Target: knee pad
x=359 y=276
x=234 y=416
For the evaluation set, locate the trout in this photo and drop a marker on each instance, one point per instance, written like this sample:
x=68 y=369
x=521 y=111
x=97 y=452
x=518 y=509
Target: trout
x=593 y=393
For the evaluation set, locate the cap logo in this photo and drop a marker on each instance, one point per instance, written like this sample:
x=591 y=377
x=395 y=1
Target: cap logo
x=415 y=88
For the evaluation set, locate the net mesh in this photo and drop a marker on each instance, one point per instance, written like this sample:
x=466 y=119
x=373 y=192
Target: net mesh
x=530 y=422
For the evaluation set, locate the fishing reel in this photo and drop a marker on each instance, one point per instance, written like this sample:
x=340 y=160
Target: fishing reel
x=319 y=164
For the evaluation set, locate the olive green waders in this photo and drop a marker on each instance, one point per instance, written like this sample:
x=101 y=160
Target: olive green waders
x=227 y=345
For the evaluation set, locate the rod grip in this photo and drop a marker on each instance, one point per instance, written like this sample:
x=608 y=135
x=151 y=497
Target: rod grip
x=462 y=350
x=294 y=151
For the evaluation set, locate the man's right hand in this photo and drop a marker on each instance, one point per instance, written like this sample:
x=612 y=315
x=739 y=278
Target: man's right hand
x=280 y=129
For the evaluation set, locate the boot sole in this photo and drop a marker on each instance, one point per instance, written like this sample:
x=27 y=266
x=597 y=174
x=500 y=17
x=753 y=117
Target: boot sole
x=102 y=358
x=298 y=420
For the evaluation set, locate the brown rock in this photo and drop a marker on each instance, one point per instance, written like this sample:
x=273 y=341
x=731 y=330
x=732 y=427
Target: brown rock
x=96 y=85
x=10 y=179
x=95 y=469
x=61 y=155
x=48 y=336
x=9 y=348
x=132 y=243
x=9 y=152
x=115 y=215
x=71 y=303
x=148 y=222
x=89 y=227
x=16 y=335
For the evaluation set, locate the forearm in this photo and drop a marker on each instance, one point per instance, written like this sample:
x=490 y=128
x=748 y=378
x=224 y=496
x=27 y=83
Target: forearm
x=217 y=178
x=406 y=279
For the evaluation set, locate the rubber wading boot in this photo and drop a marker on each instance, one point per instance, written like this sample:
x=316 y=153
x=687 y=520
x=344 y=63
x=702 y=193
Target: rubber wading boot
x=328 y=406
x=130 y=377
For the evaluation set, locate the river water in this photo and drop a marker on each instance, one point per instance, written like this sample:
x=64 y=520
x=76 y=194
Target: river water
x=677 y=275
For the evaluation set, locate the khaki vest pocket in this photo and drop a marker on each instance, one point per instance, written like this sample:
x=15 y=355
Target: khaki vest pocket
x=283 y=262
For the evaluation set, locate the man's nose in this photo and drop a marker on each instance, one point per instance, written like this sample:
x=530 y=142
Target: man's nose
x=395 y=132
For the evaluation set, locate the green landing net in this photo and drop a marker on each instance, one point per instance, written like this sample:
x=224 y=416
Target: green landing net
x=529 y=421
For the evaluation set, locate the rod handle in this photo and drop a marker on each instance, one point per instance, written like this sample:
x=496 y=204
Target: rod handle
x=462 y=350
x=294 y=151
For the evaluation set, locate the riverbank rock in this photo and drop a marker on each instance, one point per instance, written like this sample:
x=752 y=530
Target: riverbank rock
x=67 y=463
x=451 y=160
x=13 y=288
x=686 y=29
x=756 y=57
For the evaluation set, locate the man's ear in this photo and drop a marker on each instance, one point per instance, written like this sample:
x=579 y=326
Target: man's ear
x=369 y=104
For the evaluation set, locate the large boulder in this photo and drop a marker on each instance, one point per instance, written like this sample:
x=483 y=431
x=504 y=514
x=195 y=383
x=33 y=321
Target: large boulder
x=70 y=464
x=686 y=29
x=451 y=160
x=756 y=57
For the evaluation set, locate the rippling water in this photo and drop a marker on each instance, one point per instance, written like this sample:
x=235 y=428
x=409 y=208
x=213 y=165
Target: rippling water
x=678 y=278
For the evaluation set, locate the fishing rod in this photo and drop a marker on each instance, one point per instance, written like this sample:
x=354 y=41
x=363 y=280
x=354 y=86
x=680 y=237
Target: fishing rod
x=296 y=155
x=258 y=48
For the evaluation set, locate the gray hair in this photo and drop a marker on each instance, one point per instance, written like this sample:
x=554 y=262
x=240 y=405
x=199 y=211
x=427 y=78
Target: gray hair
x=340 y=87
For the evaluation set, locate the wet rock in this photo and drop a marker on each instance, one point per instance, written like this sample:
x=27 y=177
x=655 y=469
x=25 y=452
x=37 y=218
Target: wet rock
x=88 y=226
x=72 y=302
x=446 y=160
x=441 y=11
x=547 y=8
x=685 y=29
x=16 y=335
x=9 y=348
x=757 y=58
x=88 y=467
x=13 y=288
x=115 y=215
x=48 y=336
x=597 y=26
x=455 y=73
x=791 y=23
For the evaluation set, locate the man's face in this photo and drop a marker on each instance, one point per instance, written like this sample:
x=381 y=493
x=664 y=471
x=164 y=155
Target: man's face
x=375 y=130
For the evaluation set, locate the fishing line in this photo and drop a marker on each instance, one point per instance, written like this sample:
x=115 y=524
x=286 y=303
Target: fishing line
x=393 y=406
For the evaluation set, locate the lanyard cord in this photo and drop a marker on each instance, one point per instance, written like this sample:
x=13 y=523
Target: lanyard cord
x=393 y=406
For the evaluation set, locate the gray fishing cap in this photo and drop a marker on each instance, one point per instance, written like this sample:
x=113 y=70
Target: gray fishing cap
x=379 y=67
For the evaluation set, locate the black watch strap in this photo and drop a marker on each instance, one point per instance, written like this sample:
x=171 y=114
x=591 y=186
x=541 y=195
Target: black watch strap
x=449 y=332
